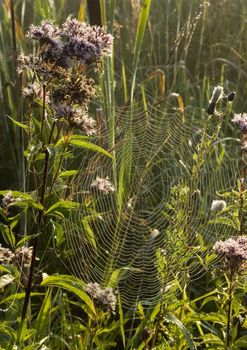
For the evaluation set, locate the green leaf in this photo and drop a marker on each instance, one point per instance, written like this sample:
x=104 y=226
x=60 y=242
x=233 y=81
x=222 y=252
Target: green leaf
x=121 y=319
x=66 y=139
x=241 y=342
x=23 y=126
x=18 y=296
x=184 y=330
x=119 y=274
x=89 y=232
x=25 y=239
x=82 y=143
x=68 y=173
x=44 y=313
x=3 y=215
x=5 y=280
x=58 y=232
x=90 y=146
x=71 y=284
x=212 y=339
x=7 y=235
x=62 y=204
x=142 y=22
x=222 y=221
x=24 y=200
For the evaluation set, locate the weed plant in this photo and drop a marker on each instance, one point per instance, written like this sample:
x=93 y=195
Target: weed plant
x=123 y=188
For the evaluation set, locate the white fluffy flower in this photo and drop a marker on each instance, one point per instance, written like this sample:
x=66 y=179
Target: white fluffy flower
x=218 y=205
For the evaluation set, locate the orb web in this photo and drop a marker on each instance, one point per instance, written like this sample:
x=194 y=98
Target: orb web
x=146 y=233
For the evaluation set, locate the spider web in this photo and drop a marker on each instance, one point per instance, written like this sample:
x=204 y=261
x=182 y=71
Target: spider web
x=151 y=238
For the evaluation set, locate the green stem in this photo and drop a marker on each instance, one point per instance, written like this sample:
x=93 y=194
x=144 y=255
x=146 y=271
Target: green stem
x=39 y=219
x=229 y=312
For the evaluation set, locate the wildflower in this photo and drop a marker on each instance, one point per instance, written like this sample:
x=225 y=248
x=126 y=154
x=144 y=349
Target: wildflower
x=218 y=205
x=23 y=256
x=46 y=32
x=103 y=185
x=86 y=43
x=216 y=96
x=233 y=250
x=76 y=117
x=82 y=121
x=240 y=120
x=105 y=298
x=8 y=199
x=6 y=256
x=79 y=90
x=45 y=70
x=27 y=62
x=35 y=90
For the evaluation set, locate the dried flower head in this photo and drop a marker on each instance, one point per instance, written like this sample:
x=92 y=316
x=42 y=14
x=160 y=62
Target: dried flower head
x=44 y=70
x=104 y=298
x=6 y=255
x=23 y=256
x=233 y=250
x=240 y=120
x=103 y=185
x=74 y=90
x=218 y=205
x=217 y=94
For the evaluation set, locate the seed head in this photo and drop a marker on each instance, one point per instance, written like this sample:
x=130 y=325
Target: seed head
x=218 y=205
x=216 y=96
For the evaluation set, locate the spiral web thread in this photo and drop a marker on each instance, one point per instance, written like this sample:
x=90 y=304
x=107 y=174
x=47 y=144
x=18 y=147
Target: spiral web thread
x=158 y=225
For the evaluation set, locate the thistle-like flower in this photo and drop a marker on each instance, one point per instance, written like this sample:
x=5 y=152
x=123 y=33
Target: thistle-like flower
x=218 y=205
x=240 y=120
x=104 y=298
x=103 y=185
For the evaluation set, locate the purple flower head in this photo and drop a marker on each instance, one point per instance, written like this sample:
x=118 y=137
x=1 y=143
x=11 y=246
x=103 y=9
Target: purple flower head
x=73 y=28
x=240 y=120
x=46 y=32
x=233 y=250
x=86 y=43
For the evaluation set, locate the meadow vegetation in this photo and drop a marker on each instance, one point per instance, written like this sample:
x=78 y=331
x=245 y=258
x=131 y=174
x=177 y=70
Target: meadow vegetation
x=123 y=175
